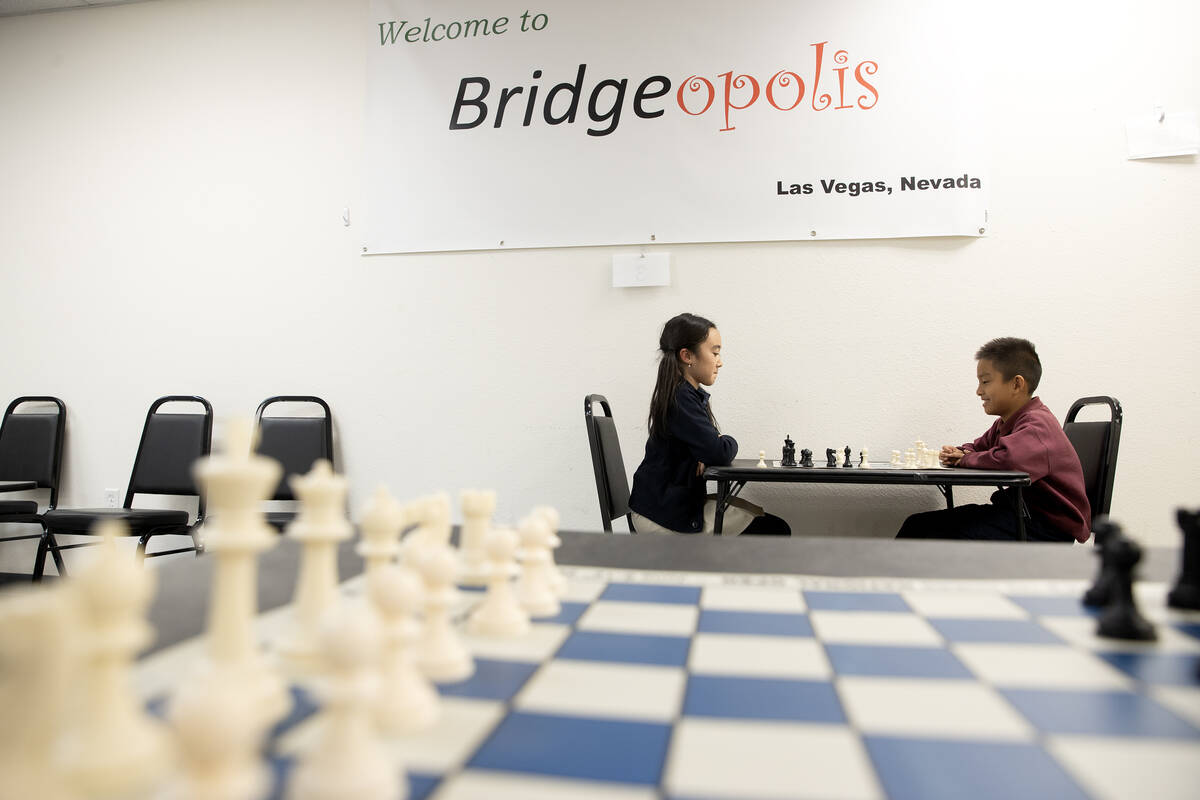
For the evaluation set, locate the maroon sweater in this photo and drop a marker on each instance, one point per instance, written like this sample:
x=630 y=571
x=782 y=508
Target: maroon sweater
x=1032 y=441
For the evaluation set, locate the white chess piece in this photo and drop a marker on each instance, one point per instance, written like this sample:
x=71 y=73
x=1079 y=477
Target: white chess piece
x=416 y=514
x=36 y=638
x=381 y=525
x=896 y=462
x=478 y=506
x=321 y=525
x=550 y=516
x=910 y=459
x=762 y=459
x=348 y=759
x=235 y=483
x=499 y=613
x=534 y=589
x=407 y=700
x=864 y=459
x=442 y=655
x=438 y=519
x=220 y=739
x=112 y=747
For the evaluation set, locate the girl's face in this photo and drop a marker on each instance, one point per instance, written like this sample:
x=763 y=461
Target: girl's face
x=701 y=364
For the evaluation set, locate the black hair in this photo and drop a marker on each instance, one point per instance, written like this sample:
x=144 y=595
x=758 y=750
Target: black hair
x=685 y=331
x=1013 y=357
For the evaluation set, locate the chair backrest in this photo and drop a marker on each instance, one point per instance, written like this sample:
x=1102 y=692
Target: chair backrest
x=295 y=442
x=31 y=444
x=612 y=486
x=169 y=447
x=1096 y=444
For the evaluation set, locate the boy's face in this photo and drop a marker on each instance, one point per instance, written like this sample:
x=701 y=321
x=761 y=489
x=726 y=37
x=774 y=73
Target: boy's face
x=1001 y=397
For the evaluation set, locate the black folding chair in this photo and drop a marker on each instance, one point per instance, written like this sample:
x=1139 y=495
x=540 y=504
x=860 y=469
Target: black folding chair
x=31 y=445
x=1096 y=444
x=295 y=442
x=170 y=445
x=612 y=486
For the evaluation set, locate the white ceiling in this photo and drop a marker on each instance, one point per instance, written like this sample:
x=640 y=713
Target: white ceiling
x=12 y=8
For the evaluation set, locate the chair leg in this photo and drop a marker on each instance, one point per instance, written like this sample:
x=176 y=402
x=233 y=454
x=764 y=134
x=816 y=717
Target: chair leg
x=197 y=543
x=141 y=547
x=48 y=544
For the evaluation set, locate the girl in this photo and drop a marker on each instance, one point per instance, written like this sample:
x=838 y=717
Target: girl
x=668 y=490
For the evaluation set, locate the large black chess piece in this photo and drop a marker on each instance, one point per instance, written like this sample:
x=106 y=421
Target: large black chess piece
x=1100 y=591
x=1186 y=592
x=847 y=463
x=1120 y=618
x=830 y=457
x=789 y=452
x=806 y=458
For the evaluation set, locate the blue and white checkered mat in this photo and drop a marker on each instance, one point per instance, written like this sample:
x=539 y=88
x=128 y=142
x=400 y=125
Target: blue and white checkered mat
x=682 y=685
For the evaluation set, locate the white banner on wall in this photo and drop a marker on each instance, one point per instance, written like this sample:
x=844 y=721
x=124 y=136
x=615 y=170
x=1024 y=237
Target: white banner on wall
x=503 y=125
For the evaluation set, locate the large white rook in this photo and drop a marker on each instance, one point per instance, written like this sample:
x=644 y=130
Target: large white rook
x=321 y=525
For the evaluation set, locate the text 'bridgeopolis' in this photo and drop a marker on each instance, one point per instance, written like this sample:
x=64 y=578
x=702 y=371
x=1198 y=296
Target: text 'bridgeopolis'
x=696 y=95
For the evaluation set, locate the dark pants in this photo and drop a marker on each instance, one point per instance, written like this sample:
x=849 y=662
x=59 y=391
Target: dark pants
x=996 y=520
x=767 y=525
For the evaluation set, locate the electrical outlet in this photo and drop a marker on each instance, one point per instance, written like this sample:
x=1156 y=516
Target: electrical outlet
x=112 y=497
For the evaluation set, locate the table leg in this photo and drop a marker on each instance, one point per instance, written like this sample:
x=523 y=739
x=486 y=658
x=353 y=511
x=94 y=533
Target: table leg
x=949 y=496
x=1021 y=516
x=722 y=497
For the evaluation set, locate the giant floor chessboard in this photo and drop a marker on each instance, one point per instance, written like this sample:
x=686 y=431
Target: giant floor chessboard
x=702 y=685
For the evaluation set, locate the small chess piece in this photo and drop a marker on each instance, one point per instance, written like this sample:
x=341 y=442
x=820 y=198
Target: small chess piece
x=789 y=453
x=762 y=459
x=407 y=700
x=478 y=506
x=863 y=462
x=1121 y=619
x=347 y=758
x=499 y=613
x=320 y=526
x=847 y=464
x=1186 y=592
x=830 y=457
x=896 y=462
x=534 y=589
x=806 y=458
x=1100 y=592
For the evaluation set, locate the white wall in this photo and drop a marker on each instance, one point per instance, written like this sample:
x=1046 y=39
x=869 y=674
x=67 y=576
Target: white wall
x=172 y=176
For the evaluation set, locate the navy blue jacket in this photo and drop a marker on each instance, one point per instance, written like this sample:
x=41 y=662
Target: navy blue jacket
x=666 y=488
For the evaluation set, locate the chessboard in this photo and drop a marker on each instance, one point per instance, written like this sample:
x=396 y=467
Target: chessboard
x=689 y=685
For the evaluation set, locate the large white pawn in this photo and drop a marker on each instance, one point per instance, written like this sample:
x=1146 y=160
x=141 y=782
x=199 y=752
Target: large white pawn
x=534 y=589
x=499 y=614
x=35 y=649
x=321 y=525
x=442 y=657
x=220 y=738
x=407 y=700
x=114 y=748
x=235 y=483
x=347 y=759
x=437 y=524
x=478 y=506
x=549 y=515
x=381 y=525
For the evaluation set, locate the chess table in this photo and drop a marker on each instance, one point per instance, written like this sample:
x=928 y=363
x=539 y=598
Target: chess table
x=17 y=486
x=732 y=478
x=689 y=666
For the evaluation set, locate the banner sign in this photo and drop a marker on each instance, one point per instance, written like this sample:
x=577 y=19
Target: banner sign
x=499 y=125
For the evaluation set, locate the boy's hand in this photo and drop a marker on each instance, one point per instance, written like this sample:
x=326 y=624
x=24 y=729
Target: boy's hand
x=699 y=469
x=950 y=455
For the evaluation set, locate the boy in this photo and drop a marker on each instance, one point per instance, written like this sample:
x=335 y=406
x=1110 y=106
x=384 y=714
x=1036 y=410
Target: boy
x=1026 y=438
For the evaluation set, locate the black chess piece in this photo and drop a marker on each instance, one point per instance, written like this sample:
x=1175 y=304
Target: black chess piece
x=789 y=452
x=847 y=463
x=1186 y=592
x=806 y=458
x=1120 y=618
x=1101 y=589
x=830 y=457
